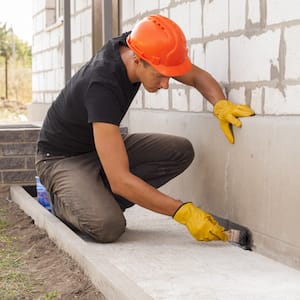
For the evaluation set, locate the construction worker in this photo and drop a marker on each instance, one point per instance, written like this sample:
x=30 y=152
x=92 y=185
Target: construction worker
x=94 y=171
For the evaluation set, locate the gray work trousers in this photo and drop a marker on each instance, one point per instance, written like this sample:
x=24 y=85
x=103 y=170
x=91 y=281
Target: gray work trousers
x=82 y=195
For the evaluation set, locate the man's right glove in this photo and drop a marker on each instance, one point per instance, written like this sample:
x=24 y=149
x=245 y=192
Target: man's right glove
x=201 y=225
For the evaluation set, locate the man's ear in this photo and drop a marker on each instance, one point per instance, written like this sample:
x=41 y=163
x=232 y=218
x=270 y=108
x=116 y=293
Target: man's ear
x=136 y=59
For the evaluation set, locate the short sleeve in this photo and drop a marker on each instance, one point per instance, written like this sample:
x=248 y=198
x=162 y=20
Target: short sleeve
x=103 y=104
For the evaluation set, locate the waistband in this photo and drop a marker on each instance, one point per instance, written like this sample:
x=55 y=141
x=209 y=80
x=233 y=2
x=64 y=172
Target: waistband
x=47 y=156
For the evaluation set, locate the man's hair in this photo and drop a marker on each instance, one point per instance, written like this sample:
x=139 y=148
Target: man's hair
x=144 y=63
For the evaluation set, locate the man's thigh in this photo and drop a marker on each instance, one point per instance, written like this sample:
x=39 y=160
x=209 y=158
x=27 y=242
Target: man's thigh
x=81 y=198
x=157 y=158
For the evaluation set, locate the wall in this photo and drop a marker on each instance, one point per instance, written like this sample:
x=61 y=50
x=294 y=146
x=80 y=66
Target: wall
x=252 y=48
x=17 y=151
x=48 y=50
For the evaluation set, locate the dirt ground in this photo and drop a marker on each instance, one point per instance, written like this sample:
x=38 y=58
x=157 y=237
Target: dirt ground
x=50 y=273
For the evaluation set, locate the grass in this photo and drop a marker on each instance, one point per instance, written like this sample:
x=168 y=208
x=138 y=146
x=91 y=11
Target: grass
x=51 y=295
x=3 y=222
x=14 y=282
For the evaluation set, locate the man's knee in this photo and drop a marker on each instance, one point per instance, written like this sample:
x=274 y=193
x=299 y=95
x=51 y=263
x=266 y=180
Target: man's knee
x=187 y=151
x=106 y=230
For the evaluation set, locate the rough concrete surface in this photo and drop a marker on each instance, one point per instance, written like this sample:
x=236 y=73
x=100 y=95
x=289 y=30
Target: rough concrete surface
x=157 y=259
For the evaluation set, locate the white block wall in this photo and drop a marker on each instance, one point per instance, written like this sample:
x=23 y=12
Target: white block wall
x=48 y=47
x=251 y=47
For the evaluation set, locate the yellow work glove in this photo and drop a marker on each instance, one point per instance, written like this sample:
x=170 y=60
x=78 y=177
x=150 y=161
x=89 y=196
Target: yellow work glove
x=227 y=112
x=201 y=225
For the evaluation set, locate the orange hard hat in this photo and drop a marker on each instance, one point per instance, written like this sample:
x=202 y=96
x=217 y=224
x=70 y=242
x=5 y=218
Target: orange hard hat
x=161 y=43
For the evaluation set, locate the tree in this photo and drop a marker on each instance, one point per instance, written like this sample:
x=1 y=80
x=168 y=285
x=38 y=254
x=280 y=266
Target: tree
x=11 y=45
x=5 y=52
x=14 y=50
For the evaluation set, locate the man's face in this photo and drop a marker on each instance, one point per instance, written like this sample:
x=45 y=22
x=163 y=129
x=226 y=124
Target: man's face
x=151 y=79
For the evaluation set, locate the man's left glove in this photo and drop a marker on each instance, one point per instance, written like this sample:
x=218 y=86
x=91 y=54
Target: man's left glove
x=201 y=225
x=228 y=113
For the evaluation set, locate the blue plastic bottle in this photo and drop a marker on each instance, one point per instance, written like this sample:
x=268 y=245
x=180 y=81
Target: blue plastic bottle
x=42 y=194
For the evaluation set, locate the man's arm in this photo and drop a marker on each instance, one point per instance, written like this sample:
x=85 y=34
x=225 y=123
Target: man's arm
x=204 y=83
x=226 y=111
x=111 y=150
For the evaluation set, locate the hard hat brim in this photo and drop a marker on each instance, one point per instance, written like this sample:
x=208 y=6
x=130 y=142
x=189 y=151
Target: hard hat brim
x=172 y=71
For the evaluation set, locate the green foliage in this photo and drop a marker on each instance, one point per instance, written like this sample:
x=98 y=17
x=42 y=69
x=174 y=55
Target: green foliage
x=13 y=47
x=22 y=52
x=51 y=295
x=3 y=222
x=5 y=50
x=12 y=281
x=15 y=68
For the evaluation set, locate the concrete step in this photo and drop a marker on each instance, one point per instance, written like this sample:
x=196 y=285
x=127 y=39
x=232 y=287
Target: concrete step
x=156 y=258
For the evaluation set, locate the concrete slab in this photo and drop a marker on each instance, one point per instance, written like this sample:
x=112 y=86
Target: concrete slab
x=157 y=259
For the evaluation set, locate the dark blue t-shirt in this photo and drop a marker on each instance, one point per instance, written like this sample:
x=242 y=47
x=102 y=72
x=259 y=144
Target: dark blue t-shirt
x=99 y=92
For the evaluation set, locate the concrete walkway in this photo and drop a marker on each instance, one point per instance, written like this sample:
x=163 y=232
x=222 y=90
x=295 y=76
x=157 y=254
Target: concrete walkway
x=157 y=259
